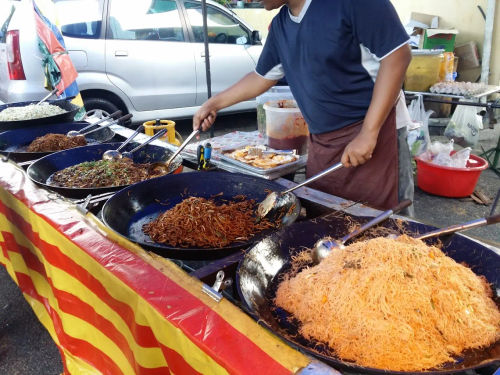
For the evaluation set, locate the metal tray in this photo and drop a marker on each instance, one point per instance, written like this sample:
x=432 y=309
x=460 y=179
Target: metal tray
x=279 y=170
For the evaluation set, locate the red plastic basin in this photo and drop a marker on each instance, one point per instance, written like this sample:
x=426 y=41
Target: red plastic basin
x=448 y=181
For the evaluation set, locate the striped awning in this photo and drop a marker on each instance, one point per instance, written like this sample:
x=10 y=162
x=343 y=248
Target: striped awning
x=112 y=308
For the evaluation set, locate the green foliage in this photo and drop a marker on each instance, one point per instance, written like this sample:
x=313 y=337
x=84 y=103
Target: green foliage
x=225 y=3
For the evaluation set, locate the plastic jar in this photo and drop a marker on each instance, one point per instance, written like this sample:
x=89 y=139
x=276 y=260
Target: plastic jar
x=424 y=69
x=286 y=128
x=274 y=93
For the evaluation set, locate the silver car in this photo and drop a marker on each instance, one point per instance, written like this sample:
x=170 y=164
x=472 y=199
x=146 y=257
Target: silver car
x=145 y=57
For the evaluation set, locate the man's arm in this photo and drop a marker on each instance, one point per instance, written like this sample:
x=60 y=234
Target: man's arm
x=387 y=87
x=246 y=88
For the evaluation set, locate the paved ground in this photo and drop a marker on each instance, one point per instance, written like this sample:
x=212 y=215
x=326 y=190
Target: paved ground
x=26 y=347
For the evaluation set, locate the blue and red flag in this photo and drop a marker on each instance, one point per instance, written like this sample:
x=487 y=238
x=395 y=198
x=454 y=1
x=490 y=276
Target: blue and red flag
x=59 y=70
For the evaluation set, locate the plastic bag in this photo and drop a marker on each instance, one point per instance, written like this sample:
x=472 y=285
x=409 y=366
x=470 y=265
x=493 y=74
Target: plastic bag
x=438 y=153
x=464 y=126
x=460 y=158
x=441 y=154
x=418 y=137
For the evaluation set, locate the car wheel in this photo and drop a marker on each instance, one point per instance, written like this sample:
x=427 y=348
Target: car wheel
x=99 y=107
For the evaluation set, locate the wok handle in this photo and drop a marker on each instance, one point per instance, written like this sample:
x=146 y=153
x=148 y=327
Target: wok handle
x=459 y=227
x=333 y=168
x=376 y=220
x=182 y=146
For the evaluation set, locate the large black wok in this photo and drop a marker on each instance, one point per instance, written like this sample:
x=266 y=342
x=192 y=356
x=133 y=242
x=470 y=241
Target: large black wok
x=129 y=209
x=71 y=111
x=267 y=261
x=42 y=169
x=15 y=142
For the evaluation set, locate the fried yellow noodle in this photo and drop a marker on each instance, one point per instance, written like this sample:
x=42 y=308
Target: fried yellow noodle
x=393 y=304
x=200 y=222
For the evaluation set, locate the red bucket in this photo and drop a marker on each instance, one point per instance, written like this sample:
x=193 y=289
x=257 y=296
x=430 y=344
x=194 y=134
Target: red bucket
x=448 y=181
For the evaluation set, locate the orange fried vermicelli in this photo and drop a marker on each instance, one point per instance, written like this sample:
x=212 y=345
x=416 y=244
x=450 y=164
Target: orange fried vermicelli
x=200 y=222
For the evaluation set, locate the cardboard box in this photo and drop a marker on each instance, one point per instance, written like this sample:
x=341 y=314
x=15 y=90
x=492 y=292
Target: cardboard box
x=469 y=55
x=439 y=39
x=423 y=21
x=418 y=23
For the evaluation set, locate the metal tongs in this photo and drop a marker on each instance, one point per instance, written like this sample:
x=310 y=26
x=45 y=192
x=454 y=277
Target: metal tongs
x=259 y=152
x=280 y=201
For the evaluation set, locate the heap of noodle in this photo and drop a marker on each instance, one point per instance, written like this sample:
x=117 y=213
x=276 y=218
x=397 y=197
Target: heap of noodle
x=392 y=304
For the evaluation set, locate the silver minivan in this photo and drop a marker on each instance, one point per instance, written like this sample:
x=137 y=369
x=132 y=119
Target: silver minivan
x=145 y=57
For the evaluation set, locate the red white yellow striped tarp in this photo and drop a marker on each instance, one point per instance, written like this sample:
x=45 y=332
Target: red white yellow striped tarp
x=113 y=309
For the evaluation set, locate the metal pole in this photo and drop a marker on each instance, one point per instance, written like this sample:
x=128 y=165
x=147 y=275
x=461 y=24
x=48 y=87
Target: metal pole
x=207 y=55
x=488 y=38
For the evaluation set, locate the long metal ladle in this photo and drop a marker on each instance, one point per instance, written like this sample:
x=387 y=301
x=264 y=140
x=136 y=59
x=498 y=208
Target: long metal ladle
x=494 y=219
x=116 y=154
x=277 y=201
x=161 y=167
x=325 y=246
x=74 y=133
x=123 y=118
x=128 y=154
x=47 y=96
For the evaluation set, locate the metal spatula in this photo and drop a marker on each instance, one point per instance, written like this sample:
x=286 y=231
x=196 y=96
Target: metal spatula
x=276 y=202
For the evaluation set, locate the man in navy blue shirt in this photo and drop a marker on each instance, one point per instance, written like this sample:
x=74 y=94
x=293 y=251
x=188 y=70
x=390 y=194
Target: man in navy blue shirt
x=345 y=62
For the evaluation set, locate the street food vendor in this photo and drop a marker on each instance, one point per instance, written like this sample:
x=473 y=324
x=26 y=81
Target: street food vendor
x=345 y=61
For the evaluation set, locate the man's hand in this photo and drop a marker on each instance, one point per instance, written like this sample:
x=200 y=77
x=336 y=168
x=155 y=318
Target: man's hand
x=204 y=118
x=360 y=149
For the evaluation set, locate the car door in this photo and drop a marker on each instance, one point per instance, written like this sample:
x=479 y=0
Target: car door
x=148 y=56
x=229 y=48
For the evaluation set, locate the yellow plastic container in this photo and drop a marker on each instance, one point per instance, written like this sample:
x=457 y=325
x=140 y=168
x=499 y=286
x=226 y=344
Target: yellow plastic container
x=172 y=137
x=424 y=70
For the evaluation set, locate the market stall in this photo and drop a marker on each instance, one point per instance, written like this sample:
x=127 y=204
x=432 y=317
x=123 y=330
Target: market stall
x=112 y=306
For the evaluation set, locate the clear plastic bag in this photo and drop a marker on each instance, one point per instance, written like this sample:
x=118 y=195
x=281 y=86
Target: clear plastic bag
x=459 y=159
x=418 y=137
x=464 y=126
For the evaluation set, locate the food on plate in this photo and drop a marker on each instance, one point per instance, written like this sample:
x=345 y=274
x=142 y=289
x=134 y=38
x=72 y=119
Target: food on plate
x=392 y=304
x=55 y=142
x=104 y=173
x=201 y=222
x=30 y=112
x=265 y=161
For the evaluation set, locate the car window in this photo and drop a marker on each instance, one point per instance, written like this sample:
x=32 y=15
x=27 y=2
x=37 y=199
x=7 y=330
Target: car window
x=80 y=18
x=145 y=20
x=221 y=27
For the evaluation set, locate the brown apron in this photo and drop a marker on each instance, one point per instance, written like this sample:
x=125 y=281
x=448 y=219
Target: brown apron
x=374 y=183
